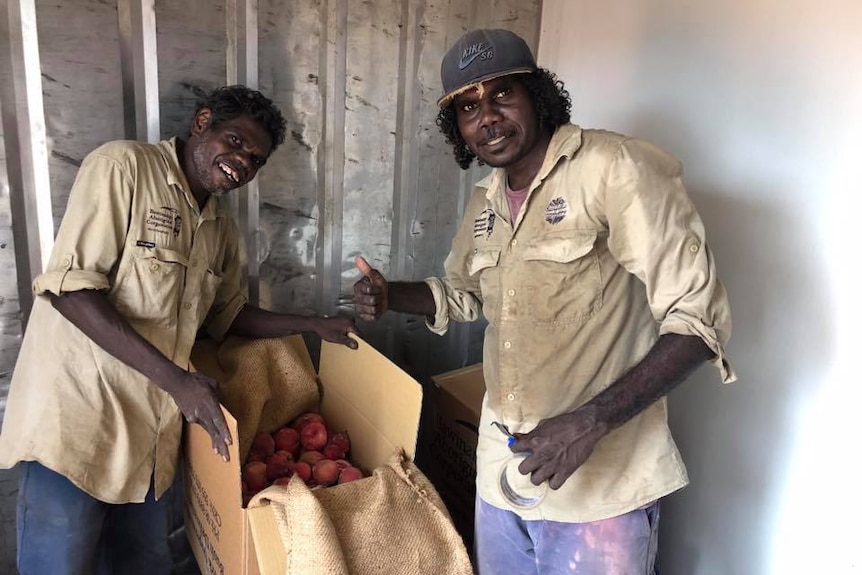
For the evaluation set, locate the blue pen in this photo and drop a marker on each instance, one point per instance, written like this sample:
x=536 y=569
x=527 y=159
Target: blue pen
x=505 y=429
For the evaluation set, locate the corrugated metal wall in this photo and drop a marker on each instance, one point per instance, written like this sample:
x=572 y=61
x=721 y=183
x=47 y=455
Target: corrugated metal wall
x=364 y=170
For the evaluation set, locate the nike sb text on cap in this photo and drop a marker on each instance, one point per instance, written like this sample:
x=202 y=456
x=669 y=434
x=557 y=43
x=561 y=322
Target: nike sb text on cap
x=482 y=55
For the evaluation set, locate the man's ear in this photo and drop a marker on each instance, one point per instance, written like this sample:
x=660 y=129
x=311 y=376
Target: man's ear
x=202 y=121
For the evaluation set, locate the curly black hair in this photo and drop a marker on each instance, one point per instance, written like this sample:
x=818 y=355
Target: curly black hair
x=229 y=102
x=549 y=96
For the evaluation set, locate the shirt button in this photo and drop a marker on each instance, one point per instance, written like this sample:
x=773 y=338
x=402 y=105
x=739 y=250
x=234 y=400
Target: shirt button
x=66 y=262
x=507 y=344
x=514 y=243
x=154 y=266
x=693 y=248
x=188 y=306
x=511 y=397
x=511 y=292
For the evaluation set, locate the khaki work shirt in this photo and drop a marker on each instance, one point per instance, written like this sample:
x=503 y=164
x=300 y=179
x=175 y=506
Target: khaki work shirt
x=607 y=253
x=133 y=230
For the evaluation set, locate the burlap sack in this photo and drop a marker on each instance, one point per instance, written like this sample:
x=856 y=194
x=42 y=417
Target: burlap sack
x=393 y=523
x=263 y=383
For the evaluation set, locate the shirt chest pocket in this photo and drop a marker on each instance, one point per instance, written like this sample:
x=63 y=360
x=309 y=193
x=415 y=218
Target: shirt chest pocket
x=563 y=277
x=149 y=286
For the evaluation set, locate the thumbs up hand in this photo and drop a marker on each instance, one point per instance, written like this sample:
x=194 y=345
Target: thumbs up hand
x=371 y=292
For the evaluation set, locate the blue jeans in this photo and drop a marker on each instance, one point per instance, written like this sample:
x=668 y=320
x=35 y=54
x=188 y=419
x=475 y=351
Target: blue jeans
x=508 y=545
x=64 y=531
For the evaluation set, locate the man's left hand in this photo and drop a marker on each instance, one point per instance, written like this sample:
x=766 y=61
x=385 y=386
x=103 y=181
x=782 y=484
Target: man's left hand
x=559 y=445
x=337 y=330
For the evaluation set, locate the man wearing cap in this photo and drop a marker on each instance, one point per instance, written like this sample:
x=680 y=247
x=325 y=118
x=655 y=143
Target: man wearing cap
x=585 y=254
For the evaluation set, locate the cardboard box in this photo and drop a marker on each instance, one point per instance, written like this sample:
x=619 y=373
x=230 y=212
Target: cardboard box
x=456 y=404
x=362 y=392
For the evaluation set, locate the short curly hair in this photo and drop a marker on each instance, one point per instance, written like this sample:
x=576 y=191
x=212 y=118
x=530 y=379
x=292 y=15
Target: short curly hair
x=229 y=102
x=549 y=96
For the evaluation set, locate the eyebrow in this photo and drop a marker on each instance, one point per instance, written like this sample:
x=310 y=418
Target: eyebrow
x=244 y=136
x=481 y=89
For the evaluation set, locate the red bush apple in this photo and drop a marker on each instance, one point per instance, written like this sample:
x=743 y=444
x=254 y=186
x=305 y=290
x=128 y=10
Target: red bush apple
x=300 y=422
x=349 y=474
x=314 y=436
x=332 y=451
x=341 y=439
x=263 y=443
x=254 y=475
x=279 y=465
x=311 y=457
x=325 y=472
x=287 y=439
x=303 y=470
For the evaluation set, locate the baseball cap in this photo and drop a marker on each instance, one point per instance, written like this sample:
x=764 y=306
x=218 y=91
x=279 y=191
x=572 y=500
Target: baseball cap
x=482 y=55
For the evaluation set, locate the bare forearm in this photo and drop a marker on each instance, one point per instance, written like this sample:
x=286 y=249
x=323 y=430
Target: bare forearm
x=561 y=444
x=672 y=359
x=92 y=313
x=194 y=393
x=411 y=297
x=254 y=322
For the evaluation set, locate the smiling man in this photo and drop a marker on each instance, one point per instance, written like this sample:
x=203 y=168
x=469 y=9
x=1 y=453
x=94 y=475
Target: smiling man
x=585 y=254
x=146 y=254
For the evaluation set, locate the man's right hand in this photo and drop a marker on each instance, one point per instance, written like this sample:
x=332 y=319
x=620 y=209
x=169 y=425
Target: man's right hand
x=371 y=293
x=195 y=396
x=194 y=393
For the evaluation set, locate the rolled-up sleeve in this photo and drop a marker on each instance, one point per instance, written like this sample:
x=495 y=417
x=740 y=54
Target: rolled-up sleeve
x=457 y=296
x=91 y=236
x=451 y=304
x=657 y=235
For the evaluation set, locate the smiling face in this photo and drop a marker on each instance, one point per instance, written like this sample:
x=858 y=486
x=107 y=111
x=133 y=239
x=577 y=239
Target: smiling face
x=225 y=156
x=498 y=122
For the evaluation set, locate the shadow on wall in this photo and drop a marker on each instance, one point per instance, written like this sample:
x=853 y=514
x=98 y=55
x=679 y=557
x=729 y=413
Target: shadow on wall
x=288 y=249
x=289 y=211
x=178 y=105
x=738 y=440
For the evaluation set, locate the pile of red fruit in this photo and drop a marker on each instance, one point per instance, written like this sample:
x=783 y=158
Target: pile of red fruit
x=304 y=447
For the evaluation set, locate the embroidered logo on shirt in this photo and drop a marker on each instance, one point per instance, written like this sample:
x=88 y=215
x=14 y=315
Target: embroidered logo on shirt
x=484 y=224
x=556 y=211
x=164 y=220
x=145 y=244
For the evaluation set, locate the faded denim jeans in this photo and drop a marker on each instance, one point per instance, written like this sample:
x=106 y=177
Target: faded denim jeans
x=64 y=531
x=509 y=545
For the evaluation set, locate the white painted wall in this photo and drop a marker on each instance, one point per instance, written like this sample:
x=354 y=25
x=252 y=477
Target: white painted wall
x=760 y=99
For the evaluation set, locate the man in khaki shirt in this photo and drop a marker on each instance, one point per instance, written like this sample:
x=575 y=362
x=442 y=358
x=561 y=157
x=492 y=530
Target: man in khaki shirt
x=589 y=261
x=146 y=254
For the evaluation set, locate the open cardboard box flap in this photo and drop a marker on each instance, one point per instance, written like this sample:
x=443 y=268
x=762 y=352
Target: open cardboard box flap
x=373 y=399
x=376 y=402
x=466 y=385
